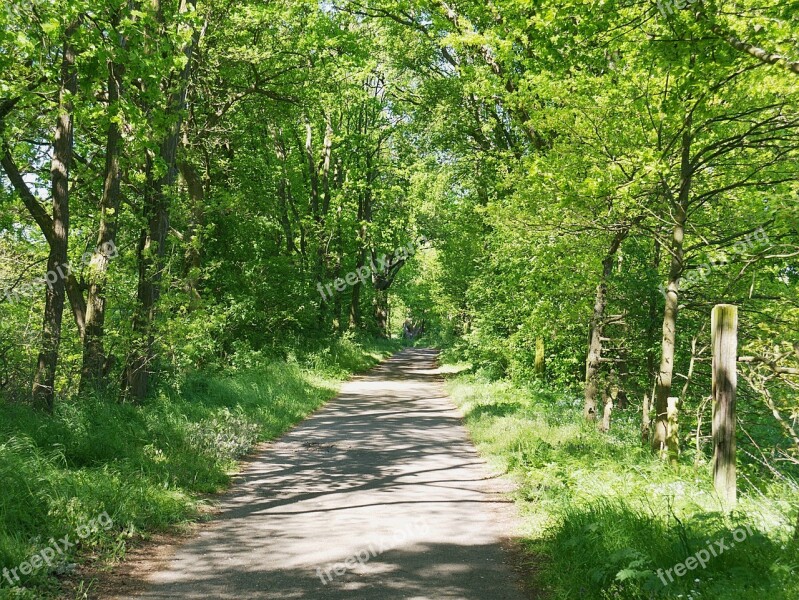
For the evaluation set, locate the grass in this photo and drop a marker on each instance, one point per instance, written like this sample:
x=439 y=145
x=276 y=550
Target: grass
x=602 y=516
x=139 y=469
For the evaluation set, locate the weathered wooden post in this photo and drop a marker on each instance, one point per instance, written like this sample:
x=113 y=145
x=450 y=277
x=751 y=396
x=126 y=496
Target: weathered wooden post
x=673 y=429
x=540 y=361
x=607 y=401
x=724 y=341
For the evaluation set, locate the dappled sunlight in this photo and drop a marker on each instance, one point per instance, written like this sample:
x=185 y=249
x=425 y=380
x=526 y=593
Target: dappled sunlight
x=384 y=472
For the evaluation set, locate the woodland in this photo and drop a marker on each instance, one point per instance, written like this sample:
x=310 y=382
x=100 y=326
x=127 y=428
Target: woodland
x=212 y=212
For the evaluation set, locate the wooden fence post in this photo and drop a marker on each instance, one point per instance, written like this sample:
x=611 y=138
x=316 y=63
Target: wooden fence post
x=540 y=361
x=673 y=429
x=724 y=341
x=645 y=421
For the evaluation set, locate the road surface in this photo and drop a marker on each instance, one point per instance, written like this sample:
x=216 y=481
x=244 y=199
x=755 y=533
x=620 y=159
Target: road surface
x=380 y=495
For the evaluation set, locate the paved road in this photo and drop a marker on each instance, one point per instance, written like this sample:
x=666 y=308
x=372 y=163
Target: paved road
x=378 y=496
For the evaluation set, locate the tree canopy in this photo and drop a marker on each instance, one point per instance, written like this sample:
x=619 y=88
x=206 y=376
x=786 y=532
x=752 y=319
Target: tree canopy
x=558 y=191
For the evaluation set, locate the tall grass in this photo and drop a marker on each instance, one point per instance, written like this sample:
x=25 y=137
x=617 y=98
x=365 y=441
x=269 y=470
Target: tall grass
x=146 y=466
x=603 y=516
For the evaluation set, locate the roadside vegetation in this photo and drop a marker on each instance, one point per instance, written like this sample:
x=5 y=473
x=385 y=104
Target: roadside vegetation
x=148 y=467
x=605 y=519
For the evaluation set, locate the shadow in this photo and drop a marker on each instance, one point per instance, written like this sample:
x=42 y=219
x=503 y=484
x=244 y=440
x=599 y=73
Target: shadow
x=495 y=410
x=422 y=571
x=386 y=464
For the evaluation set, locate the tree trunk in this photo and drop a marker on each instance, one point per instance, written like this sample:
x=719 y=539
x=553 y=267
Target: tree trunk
x=193 y=237
x=651 y=329
x=318 y=233
x=355 y=319
x=45 y=223
x=283 y=195
x=338 y=321
x=152 y=241
x=55 y=295
x=150 y=254
x=382 y=281
x=327 y=155
x=666 y=370
x=381 y=312
x=594 y=360
x=320 y=204
x=364 y=218
x=93 y=372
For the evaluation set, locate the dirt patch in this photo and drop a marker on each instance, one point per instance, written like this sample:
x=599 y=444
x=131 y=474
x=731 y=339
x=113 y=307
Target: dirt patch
x=120 y=581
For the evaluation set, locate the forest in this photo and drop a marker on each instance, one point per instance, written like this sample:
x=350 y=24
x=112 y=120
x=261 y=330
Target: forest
x=214 y=212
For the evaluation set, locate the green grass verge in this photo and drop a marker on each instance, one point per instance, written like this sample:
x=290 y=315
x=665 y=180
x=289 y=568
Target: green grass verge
x=602 y=516
x=103 y=473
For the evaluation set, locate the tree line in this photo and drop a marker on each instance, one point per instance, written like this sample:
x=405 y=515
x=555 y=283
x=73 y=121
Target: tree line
x=237 y=156
x=593 y=180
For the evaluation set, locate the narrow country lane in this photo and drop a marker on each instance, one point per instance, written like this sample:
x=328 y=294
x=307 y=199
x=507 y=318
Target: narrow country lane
x=379 y=495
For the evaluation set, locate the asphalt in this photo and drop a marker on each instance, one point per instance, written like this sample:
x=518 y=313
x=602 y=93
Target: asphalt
x=380 y=495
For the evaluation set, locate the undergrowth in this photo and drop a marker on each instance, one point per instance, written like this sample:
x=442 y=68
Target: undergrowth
x=606 y=520
x=145 y=467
